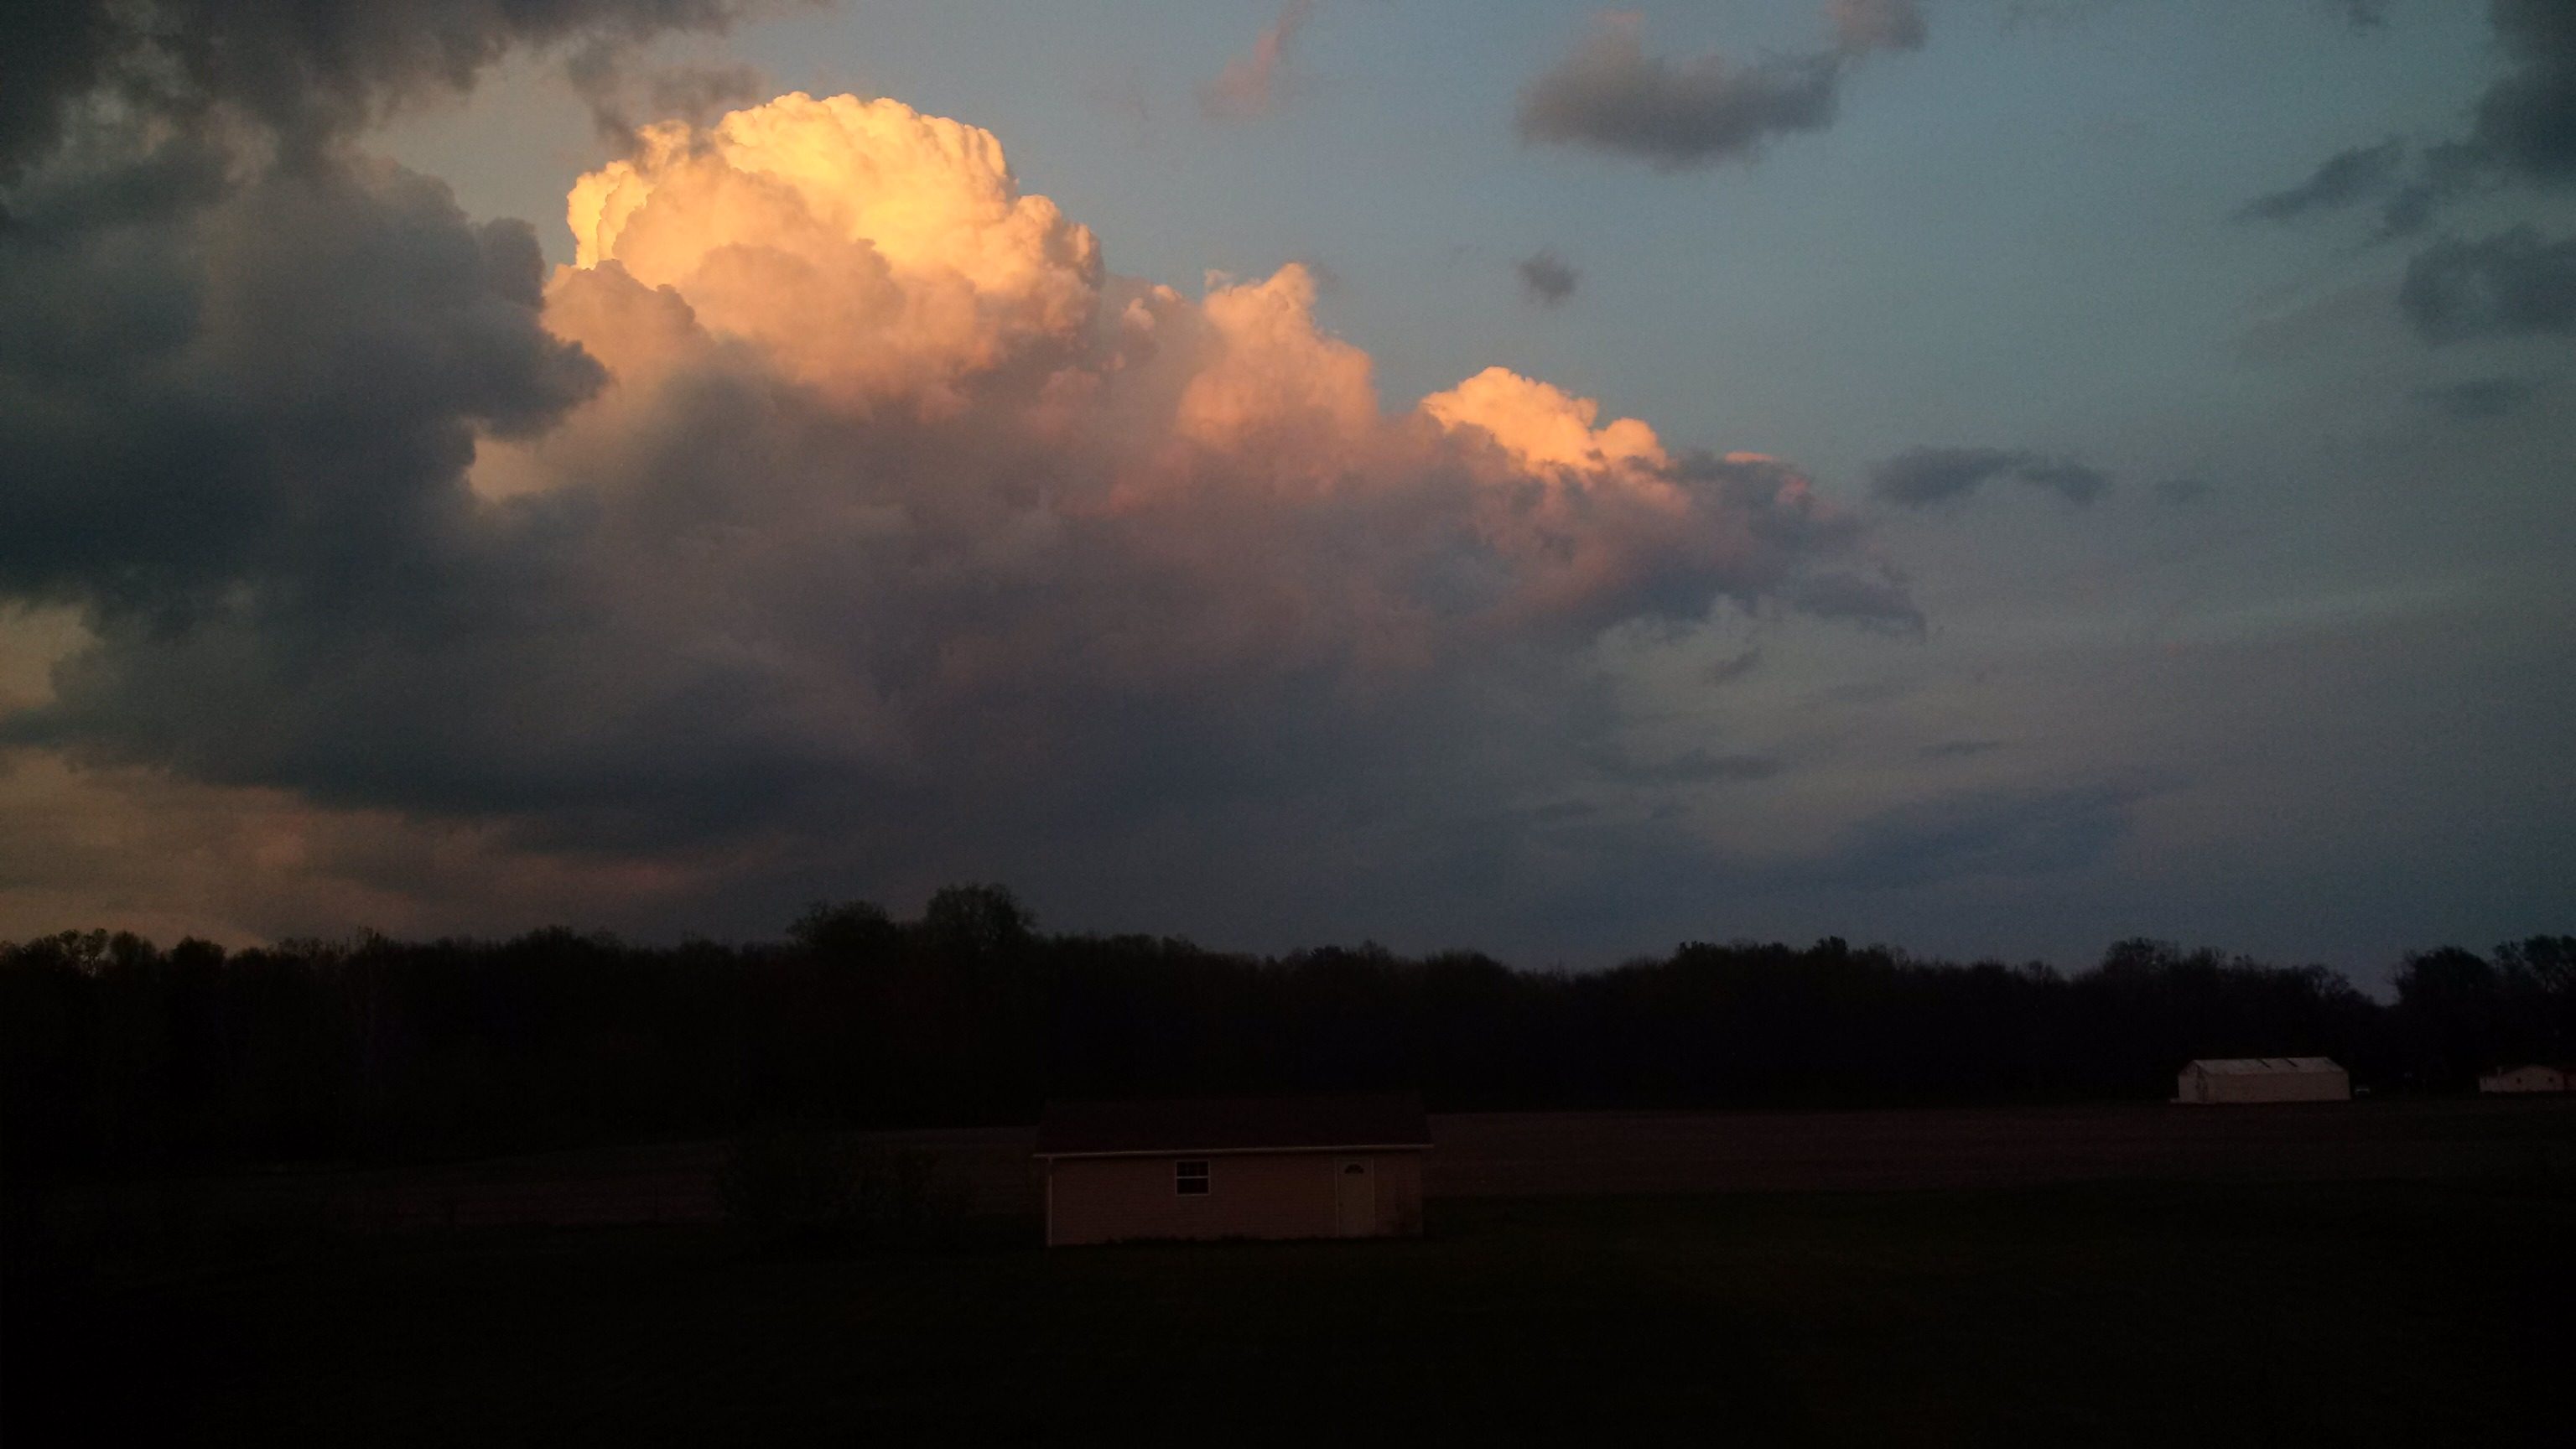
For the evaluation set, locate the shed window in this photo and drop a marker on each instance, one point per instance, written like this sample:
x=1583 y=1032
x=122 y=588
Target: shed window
x=1190 y=1179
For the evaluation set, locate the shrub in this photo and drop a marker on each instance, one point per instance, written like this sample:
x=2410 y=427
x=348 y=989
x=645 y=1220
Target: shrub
x=800 y=1190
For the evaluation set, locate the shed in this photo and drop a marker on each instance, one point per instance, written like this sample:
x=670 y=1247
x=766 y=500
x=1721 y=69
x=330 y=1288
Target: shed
x=2264 y=1079
x=1344 y=1166
x=2530 y=1077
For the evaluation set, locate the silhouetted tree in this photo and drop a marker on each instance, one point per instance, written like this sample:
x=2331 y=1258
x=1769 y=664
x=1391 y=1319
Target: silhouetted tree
x=117 y=1057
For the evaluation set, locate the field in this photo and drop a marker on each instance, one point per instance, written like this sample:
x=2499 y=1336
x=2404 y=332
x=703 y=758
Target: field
x=1517 y=1154
x=1845 y=1278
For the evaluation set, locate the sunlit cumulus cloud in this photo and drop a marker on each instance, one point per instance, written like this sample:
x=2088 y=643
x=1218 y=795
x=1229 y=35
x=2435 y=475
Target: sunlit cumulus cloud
x=836 y=514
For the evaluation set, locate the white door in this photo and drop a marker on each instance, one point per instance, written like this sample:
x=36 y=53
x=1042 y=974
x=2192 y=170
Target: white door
x=1355 y=1197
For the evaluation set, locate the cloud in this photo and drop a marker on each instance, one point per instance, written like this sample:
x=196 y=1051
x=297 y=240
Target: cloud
x=2526 y=122
x=604 y=76
x=1919 y=477
x=1609 y=95
x=836 y=517
x=2345 y=179
x=1959 y=749
x=2072 y=481
x=1695 y=766
x=1735 y=666
x=308 y=72
x=2180 y=492
x=200 y=379
x=2360 y=14
x=2479 y=398
x=2523 y=131
x=2009 y=834
x=1546 y=277
x=1249 y=84
x=1861 y=26
x=2513 y=283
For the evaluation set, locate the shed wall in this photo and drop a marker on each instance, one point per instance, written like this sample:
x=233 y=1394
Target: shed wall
x=1250 y=1195
x=2524 y=1079
x=2335 y=1086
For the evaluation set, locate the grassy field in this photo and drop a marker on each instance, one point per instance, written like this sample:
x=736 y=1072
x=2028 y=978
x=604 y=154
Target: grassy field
x=2275 y=1313
x=1499 y=1154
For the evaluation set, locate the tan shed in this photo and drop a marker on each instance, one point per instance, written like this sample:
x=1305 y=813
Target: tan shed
x=2532 y=1077
x=2263 y=1079
x=1243 y=1167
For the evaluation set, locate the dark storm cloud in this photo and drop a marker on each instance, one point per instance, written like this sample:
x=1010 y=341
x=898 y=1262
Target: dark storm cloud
x=2344 y=180
x=2478 y=399
x=307 y=69
x=1999 y=834
x=238 y=398
x=1546 y=277
x=2513 y=283
x=2523 y=132
x=200 y=379
x=2526 y=123
x=621 y=97
x=1919 y=477
x=1609 y=95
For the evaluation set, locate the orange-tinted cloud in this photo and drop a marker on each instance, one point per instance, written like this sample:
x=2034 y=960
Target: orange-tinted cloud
x=869 y=248
x=839 y=513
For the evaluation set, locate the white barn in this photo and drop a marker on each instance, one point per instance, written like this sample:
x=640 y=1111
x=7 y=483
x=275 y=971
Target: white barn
x=2535 y=1077
x=2263 y=1079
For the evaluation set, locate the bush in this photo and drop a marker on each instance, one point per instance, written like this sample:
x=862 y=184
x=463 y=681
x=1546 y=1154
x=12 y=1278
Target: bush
x=799 y=1190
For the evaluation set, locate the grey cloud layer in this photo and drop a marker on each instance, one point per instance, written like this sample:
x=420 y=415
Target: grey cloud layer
x=2343 y=180
x=308 y=69
x=1861 y=26
x=1993 y=833
x=2479 y=399
x=1610 y=95
x=2511 y=284
x=2527 y=121
x=1547 y=277
x=1919 y=477
x=2523 y=134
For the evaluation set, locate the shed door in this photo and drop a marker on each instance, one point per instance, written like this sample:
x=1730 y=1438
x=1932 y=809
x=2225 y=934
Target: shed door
x=1354 y=1197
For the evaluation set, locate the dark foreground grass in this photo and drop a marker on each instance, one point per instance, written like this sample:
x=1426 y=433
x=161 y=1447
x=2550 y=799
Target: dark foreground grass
x=2329 y=1314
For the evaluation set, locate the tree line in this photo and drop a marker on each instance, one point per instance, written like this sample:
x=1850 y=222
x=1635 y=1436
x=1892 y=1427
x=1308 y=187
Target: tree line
x=117 y=1056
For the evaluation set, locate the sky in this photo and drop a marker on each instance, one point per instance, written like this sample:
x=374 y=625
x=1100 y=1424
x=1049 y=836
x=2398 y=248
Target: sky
x=1989 y=476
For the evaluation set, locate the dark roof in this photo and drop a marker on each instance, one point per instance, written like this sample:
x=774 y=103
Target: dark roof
x=1233 y=1124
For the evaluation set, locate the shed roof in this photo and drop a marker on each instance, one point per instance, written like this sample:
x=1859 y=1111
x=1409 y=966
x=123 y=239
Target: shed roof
x=1233 y=1124
x=2254 y=1066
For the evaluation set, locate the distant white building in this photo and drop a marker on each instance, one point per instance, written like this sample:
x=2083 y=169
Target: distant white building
x=2534 y=1077
x=2263 y=1079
